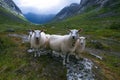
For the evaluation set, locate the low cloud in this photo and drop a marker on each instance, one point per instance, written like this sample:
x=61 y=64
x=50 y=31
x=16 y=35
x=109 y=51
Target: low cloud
x=43 y=6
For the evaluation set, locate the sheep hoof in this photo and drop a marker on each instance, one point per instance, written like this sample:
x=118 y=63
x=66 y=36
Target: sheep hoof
x=68 y=61
x=64 y=64
x=35 y=55
x=77 y=57
x=38 y=55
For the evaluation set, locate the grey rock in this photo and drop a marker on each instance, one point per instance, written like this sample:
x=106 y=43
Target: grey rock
x=11 y=6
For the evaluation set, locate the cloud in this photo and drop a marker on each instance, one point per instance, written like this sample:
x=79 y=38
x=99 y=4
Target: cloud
x=43 y=6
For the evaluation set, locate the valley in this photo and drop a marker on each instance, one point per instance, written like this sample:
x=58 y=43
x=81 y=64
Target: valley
x=101 y=27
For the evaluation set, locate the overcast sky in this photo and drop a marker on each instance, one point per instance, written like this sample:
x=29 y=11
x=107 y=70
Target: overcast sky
x=43 y=6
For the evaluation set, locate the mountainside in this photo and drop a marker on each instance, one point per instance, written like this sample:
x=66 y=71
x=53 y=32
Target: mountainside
x=86 y=5
x=68 y=11
x=11 y=6
x=39 y=18
x=10 y=12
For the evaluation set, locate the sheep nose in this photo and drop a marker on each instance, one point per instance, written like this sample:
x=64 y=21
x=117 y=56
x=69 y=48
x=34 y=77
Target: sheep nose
x=81 y=43
x=37 y=38
x=73 y=37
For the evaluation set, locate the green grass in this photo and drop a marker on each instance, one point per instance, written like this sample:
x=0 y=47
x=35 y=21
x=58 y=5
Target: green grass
x=113 y=62
x=16 y=63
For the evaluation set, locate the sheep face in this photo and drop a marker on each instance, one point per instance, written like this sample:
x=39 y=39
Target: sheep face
x=30 y=32
x=37 y=34
x=82 y=40
x=74 y=34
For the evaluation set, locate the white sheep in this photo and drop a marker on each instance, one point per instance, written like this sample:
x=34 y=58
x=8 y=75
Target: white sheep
x=79 y=46
x=29 y=36
x=64 y=44
x=38 y=40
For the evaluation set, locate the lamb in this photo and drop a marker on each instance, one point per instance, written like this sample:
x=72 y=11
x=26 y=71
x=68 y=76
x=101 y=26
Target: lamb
x=38 y=40
x=79 y=46
x=64 y=43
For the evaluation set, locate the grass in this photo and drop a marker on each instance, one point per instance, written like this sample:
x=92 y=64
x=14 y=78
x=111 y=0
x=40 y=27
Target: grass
x=16 y=63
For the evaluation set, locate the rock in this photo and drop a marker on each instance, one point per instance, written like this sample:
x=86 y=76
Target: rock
x=82 y=70
x=11 y=6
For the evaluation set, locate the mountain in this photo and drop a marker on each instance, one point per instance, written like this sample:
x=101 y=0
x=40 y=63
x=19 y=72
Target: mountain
x=68 y=11
x=9 y=12
x=86 y=5
x=39 y=18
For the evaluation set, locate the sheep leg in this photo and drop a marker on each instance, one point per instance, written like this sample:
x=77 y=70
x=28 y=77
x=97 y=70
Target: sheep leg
x=67 y=57
x=64 y=59
x=77 y=56
x=38 y=52
x=35 y=55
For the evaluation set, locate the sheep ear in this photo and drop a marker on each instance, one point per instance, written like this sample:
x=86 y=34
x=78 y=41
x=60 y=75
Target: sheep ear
x=32 y=30
x=69 y=30
x=43 y=30
x=79 y=30
x=28 y=30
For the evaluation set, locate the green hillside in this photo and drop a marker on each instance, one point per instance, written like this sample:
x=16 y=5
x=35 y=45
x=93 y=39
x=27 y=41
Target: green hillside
x=9 y=20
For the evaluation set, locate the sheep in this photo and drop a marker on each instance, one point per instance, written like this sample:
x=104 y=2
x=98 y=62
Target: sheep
x=64 y=43
x=29 y=36
x=38 y=40
x=79 y=46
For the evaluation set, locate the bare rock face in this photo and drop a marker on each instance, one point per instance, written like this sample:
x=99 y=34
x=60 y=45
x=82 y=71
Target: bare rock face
x=10 y=6
x=98 y=3
x=68 y=11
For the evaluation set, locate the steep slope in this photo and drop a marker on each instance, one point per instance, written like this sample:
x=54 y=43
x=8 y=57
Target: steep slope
x=10 y=5
x=9 y=12
x=86 y=5
x=68 y=11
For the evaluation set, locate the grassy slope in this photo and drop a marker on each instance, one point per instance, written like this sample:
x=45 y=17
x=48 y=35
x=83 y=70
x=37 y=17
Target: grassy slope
x=9 y=20
x=15 y=63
